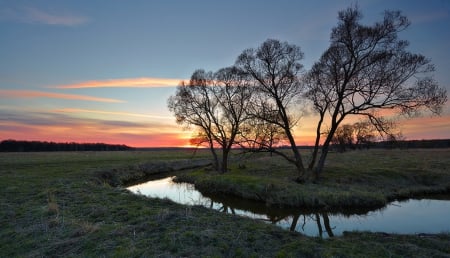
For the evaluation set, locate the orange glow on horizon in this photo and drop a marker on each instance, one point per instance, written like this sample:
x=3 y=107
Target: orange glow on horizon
x=152 y=134
x=86 y=135
x=144 y=82
x=156 y=136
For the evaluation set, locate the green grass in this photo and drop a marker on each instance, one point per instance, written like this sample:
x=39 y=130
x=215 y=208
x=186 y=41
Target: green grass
x=71 y=205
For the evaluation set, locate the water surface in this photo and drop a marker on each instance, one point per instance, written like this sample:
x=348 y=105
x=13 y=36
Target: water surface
x=406 y=217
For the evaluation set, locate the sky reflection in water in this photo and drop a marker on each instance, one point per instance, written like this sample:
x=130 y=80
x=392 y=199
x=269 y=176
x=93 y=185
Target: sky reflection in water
x=406 y=217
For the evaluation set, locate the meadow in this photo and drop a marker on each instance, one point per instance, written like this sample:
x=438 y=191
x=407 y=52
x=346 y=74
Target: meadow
x=74 y=204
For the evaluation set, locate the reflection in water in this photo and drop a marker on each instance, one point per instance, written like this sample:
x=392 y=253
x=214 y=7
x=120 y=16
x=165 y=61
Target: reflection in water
x=316 y=218
x=409 y=217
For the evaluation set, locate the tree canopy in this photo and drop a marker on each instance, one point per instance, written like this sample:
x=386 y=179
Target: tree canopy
x=367 y=69
x=275 y=69
x=257 y=102
x=215 y=104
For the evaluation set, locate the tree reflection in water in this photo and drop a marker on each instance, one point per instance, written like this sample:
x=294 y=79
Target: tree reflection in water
x=321 y=218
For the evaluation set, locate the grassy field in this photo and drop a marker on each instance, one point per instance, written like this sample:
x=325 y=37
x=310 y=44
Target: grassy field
x=72 y=204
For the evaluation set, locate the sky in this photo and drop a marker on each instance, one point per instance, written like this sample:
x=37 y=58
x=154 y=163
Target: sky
x=102 y=70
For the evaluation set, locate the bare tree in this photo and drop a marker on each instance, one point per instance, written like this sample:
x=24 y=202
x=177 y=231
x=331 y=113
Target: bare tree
x=259 y=135
x=275 y=68
x=233 y=93
x=365 y=69
x=194 y=105
x=214 y=103
x=343 y=137
x=364 y=133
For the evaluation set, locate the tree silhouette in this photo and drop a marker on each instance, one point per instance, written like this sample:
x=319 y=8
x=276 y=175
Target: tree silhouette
x=367 y=69
x=32 y=146
x=364 y=133
x=214 y=103
x=275 y=69
x=258 y=135
x=343 y=137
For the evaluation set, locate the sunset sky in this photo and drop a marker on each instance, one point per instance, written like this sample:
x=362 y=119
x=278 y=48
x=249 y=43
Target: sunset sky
x=102 y=71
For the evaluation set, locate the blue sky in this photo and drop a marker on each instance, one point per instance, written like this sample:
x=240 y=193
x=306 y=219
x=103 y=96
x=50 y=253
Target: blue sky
x=47 y=46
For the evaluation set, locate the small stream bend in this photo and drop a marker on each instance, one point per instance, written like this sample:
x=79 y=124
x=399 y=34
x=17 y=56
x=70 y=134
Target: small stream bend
x=414 y=216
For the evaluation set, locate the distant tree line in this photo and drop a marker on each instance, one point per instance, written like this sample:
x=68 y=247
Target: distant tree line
x=29 y=146
x=393 y=144
x=403 y=144
x=364 y=134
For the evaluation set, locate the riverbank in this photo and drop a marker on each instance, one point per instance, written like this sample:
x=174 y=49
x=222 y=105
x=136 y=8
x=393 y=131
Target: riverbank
x=358 y=179
x=65 y=204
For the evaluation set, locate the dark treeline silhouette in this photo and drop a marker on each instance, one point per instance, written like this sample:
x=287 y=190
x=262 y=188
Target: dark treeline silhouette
x=444 y=143
x=402 y=144
x=29 y=146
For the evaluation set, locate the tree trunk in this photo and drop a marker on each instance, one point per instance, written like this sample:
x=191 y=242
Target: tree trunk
x=323 y=155
x=319 y=225
x=326 y=223
x=297 y=156
x=321 y=163
x=294 y=222
x=215 y=158
x=316 y=144
x=224 y=167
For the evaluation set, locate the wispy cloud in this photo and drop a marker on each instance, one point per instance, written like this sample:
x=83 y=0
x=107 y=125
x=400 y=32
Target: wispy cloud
x=102 y=112
x=46 y=118
x=42 y=94
x=433 y=123
x=39 y=16
x=143 y=82
x=35 y=15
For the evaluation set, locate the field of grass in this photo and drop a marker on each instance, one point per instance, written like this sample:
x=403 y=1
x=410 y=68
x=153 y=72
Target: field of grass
x=72 y=204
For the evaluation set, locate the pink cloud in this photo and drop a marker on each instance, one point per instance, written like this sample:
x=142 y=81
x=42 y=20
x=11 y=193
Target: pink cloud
x=41 y=94
x=144 y=82
x=35 y=15
x=103 y=112
x=39 y=16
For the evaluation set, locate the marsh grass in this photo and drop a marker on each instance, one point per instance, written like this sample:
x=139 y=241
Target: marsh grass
x=59 y=204
x=52 y=205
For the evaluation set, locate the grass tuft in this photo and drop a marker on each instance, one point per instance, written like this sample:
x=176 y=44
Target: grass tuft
x=52 y=205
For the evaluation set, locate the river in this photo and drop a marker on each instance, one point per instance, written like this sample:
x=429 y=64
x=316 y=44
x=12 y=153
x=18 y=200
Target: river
x=414 y=216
